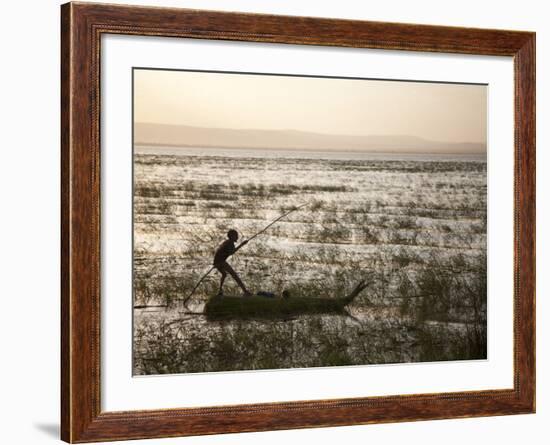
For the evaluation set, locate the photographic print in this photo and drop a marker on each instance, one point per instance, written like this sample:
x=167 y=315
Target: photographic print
x=286 y=221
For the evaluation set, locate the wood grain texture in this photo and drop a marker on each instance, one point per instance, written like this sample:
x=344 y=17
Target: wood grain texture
x=65 y=227
x=81 y=28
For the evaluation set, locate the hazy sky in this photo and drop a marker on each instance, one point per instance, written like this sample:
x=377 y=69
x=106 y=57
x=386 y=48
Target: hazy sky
x=439 y=112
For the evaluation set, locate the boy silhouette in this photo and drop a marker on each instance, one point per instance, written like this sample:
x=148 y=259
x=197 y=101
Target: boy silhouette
x=224 y=251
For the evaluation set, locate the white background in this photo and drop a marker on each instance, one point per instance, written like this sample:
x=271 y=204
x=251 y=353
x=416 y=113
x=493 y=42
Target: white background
x=29 y=244
x=121 y=392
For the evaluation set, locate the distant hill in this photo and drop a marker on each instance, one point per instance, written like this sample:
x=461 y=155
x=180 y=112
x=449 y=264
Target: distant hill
x=188 y=136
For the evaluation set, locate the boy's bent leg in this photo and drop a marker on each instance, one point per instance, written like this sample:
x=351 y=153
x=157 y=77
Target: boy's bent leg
x=236 y=277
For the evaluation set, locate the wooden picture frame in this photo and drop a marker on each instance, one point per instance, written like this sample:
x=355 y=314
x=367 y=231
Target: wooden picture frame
x=82 y=25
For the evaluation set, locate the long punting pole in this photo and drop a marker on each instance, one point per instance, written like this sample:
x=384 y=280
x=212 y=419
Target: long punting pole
x=275 y=220
x=249 y=239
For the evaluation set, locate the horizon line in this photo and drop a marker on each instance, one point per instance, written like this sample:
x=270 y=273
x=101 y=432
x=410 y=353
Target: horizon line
x=155 y=146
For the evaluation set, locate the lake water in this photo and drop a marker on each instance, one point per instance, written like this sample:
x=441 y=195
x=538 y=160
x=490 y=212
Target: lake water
x=413 y=226
x=307 y=154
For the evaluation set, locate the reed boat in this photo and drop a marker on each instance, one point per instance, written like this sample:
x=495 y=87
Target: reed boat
x=261 y=307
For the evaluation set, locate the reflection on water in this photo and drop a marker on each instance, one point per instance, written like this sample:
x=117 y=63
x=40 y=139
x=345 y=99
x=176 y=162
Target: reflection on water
x=169 y=341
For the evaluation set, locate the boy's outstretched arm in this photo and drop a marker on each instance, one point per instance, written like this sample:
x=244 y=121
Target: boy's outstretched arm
x=244 y=243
